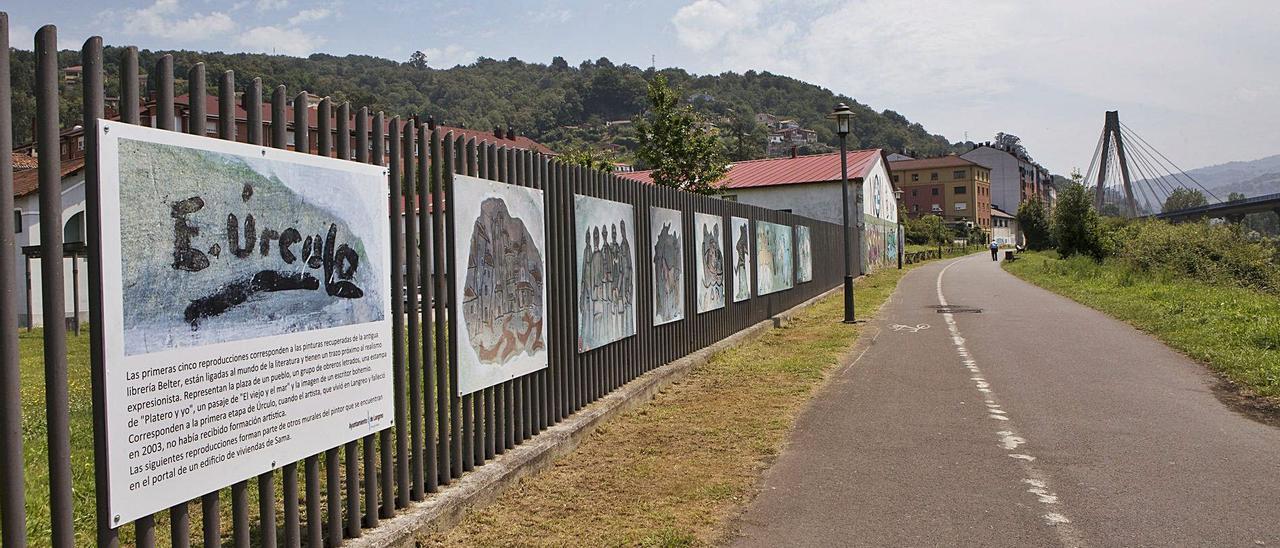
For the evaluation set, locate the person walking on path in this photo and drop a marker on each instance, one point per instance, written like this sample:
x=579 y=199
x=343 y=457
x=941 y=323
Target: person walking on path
x=995 y=251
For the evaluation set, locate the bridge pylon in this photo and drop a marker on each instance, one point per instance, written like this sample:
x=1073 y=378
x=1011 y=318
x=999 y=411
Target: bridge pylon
x=1113 y=145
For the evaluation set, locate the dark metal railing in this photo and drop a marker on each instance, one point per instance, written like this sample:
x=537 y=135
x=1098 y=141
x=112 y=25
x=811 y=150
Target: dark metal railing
x=438 y=436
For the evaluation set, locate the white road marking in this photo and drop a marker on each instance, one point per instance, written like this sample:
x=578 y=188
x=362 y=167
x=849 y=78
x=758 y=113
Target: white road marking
x=909 y=328
x=1009 y=440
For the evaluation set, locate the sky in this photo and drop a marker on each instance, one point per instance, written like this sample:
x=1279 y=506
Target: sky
x=1198 y=80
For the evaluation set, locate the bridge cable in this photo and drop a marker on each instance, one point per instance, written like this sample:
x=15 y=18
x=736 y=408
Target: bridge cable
x=1175 y=166
x=1158 y=179
x=1093 y=161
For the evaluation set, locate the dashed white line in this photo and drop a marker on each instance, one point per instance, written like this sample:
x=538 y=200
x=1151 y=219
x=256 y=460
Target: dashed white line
x=1009 y=440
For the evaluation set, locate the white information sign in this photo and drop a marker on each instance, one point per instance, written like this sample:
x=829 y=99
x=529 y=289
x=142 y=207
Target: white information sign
x=247 y=311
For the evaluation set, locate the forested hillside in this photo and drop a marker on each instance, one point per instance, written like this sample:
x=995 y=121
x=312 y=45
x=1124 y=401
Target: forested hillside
x=559 y=104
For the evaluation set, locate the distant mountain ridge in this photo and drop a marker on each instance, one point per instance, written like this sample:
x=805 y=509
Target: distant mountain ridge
x=1251 y=178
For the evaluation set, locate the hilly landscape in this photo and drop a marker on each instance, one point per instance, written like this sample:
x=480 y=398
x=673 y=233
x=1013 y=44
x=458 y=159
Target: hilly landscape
x=562 y=105
x=1251 y=178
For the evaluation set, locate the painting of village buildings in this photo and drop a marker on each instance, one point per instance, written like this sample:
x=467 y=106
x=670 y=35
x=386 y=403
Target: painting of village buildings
x=605 y=234
x=501 y=242
x=740 y=236
x=710 y=261
x=804 y=255
x=774 y=270
x=666 y=233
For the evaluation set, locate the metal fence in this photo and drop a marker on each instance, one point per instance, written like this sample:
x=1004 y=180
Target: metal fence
x=438 y=436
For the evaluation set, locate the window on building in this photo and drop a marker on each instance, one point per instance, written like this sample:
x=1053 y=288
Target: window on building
x=935 y=190
x=933 y=176
x=895 y=178
x=73 y=232
x=937 y=208
x=958 y=174
x=915 y=177
x=915 y=192
x=17 y=221
x=785 y=210
x=915 y=208
x=961 y=189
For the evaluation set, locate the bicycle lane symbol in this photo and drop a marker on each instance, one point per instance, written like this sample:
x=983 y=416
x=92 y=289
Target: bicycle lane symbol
x=899 y=328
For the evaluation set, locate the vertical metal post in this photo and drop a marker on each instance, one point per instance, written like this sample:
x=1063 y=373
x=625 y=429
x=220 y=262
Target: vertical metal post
x=351 y=449
x=266 y=480
x=179 y=520
x=57 y=412
x=333 y=470
x=492 y=409
x=412 y=283
x=426 y=259
x=475 y=398
x=385 y=442
x=92 y=97
x=311 y=465
x=455 y=419
x=395 y=163
x=13 y=513
x=369 y=456
x=436 y=411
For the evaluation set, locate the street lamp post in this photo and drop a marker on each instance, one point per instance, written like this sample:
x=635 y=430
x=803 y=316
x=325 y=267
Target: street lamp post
x=897 y=200
x=843 y=115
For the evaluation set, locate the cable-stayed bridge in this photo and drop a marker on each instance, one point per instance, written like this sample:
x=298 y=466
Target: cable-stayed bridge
x=1131 y=178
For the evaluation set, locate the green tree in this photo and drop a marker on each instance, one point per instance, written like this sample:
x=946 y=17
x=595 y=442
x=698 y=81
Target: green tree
x=593 y=158
x=1075 y=223
x=928 y=229
x=1184 y=198
x=677 y=144
x=1033 y=219
x=418 y=60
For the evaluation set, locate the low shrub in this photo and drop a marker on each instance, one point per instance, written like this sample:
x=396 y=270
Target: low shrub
x=1203 y=251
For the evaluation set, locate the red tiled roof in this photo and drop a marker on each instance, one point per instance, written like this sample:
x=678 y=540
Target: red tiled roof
x=28 y=181
x=814 y=168
x=928 y=163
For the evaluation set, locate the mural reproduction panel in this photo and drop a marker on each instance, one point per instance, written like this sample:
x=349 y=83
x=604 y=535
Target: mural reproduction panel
x=667 y=234
x=710 y=259
x=606 y=271
x=804 y=255
x=502 y=242
x=246 y=306
x=774 y=270
x=741 y=236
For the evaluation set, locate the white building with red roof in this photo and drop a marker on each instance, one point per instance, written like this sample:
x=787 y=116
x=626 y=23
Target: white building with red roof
x=810 y=186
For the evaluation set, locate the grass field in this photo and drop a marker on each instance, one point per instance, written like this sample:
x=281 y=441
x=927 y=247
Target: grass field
x=1235 y=331
x=674 y=471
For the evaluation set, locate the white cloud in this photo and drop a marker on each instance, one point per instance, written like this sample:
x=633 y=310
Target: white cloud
x=270 y=5
x=1188 y=70
x=449 y=56
x=309 y=15
x=279 y=40
x=166 y=19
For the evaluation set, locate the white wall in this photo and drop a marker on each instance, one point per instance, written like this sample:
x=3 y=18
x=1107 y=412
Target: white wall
x=73 y=202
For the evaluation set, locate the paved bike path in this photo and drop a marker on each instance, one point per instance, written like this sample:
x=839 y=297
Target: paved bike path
x=1036 y=421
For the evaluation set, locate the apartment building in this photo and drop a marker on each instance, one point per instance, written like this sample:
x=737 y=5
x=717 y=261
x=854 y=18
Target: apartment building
x=951 y=187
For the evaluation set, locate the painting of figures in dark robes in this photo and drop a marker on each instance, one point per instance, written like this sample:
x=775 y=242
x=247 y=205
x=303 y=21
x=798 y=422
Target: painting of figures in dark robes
x=667 y=235
x=710 y=259
x=804 y=255
x=774 y=270
x=605 y=231
x=740 y=236
x=501 y=242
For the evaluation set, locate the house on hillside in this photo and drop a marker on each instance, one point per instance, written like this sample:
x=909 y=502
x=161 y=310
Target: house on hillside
x=26 y=214
x=810 y=186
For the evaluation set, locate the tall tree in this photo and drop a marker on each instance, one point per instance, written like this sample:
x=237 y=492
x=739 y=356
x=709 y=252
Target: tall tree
x=677 y=144
x=1011 y=143
x=1075 y=223
x=1184 y=198
x=1033 y=219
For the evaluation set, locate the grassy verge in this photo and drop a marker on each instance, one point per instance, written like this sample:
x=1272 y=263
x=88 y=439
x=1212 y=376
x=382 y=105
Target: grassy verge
x=672 y=472
x=1235 y=331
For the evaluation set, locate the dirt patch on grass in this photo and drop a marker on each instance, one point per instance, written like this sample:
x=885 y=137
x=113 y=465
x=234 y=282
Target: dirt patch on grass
x=675 y=470
x=1244 y=402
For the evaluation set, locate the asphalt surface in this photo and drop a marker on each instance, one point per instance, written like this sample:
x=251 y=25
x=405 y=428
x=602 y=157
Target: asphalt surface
x=1035 y=422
